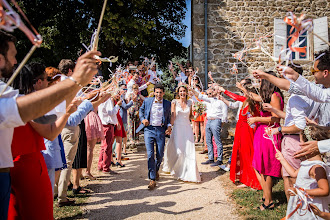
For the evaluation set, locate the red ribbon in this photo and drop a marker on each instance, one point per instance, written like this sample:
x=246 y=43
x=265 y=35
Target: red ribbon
x=293 y=21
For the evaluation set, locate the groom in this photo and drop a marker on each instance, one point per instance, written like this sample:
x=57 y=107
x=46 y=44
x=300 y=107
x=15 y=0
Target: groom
x=155 y=115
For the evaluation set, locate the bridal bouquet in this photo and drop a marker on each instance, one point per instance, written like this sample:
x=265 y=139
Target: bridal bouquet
x=199 y=109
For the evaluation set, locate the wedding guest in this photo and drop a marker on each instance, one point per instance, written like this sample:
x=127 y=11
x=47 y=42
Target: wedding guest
x=312 y=176
x=242 y=154
x=123 y=111
x=108 y=115
x=233 y=105
x=16 y=111
x=321 y=69
x=133 y=119
x=264 y=150
x=119 y=132
x=216 y=114
x=297 y=109
x=94 y=134
x=199 y=121
x=28 y=176
x=134 y=81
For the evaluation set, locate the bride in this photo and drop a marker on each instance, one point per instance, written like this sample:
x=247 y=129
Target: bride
x=179 y=156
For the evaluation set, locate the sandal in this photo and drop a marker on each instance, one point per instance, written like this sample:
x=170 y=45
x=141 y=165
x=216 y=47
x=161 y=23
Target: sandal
x=267 y=206
x=80 y=190
x=89 y=176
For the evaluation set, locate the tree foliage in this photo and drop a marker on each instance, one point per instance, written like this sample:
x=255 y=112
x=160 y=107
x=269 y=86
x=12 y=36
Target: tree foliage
x=130 y=29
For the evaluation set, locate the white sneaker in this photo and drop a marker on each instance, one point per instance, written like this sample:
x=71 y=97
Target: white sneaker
x=224 y=167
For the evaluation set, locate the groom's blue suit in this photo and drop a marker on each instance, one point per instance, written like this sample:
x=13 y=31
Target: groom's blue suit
x=154 y=134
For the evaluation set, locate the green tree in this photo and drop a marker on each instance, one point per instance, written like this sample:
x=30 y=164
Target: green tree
x=130 y=28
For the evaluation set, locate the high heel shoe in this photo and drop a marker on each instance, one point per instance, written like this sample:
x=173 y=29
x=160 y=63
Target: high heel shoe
x=121 y=165
x=113 y=164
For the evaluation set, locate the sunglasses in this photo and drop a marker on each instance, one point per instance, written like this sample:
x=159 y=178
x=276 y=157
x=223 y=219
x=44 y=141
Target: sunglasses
x=314 y=70
x=209 y=93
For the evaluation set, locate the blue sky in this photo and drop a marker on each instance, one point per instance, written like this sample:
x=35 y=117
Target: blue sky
x=187 y=21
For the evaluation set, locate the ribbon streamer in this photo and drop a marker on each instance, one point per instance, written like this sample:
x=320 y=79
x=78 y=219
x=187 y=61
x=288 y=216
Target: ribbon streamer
x=11 y=20
x=303 y=200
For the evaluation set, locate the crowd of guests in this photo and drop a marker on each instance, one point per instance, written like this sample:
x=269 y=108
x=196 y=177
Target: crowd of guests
x=264 y=150
x=52 y=118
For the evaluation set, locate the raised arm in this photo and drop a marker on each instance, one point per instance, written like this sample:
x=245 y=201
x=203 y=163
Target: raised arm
x=51 y=131
x=279 y=82
x=312 y=91
x=83 y=109
x=39 y=103
x=235 y=96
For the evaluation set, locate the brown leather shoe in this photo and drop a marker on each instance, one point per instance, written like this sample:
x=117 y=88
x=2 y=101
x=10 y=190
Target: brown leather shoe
x=152 y=184
x=157 y=176
x=204 y=152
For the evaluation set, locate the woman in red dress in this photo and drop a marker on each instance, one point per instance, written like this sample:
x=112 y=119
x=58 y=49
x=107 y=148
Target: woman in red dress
x=241 y=162
x=31 y=191
x=31 y=194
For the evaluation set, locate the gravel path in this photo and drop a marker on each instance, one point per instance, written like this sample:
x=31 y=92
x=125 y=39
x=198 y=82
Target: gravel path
x=125 y=196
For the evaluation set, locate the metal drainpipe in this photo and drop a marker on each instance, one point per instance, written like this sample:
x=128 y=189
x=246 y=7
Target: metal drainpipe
x=205 y=41
x=191 y=33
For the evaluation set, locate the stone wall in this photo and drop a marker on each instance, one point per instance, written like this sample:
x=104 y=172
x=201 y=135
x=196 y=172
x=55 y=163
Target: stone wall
x=233 y=22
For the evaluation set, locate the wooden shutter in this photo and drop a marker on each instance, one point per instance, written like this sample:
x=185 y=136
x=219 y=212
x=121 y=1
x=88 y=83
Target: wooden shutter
x=280 y=36
x=321 y=29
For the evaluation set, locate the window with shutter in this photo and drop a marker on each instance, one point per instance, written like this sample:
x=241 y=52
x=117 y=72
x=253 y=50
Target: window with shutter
x=303 y=40
x=321 y=29
x=313 y=44
x=279 y=36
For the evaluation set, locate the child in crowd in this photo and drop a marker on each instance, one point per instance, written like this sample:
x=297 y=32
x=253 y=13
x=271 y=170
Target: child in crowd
x=312 y=176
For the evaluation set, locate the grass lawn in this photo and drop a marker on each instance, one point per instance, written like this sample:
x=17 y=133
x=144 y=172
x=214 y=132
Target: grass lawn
x=70 y=212
x=248 y=200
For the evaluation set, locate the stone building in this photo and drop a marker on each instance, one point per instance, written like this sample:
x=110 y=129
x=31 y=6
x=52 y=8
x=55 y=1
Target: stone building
x=233 y=24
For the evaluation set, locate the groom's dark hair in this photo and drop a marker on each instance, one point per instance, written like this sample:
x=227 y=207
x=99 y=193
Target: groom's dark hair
x=159 y=86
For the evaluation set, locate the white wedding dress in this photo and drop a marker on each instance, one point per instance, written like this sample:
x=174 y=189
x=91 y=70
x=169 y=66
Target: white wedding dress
x=180 y=155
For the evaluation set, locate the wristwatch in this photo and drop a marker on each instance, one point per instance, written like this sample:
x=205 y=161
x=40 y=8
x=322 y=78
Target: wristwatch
x=280 y=129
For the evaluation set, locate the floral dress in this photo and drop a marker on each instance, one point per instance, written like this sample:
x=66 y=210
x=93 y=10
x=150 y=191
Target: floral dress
x=133 y=119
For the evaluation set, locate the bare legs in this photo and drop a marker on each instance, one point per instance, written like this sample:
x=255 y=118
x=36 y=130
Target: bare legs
x=76 y=173
x=124 y=145
x=267 y=185
x=288 y=182
x=90 y=149
x=196 y=125
x=202 y=131
x=118 y=149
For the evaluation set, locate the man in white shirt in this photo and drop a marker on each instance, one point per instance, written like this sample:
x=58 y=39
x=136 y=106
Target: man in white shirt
x=16 y=111
x=107 y=112
x=216 y=113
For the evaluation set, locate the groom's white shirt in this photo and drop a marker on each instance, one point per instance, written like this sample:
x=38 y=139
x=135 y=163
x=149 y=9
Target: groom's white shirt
x=156 y=114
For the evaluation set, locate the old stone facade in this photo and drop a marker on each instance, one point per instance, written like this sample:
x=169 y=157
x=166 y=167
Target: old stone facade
x=234 y=23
